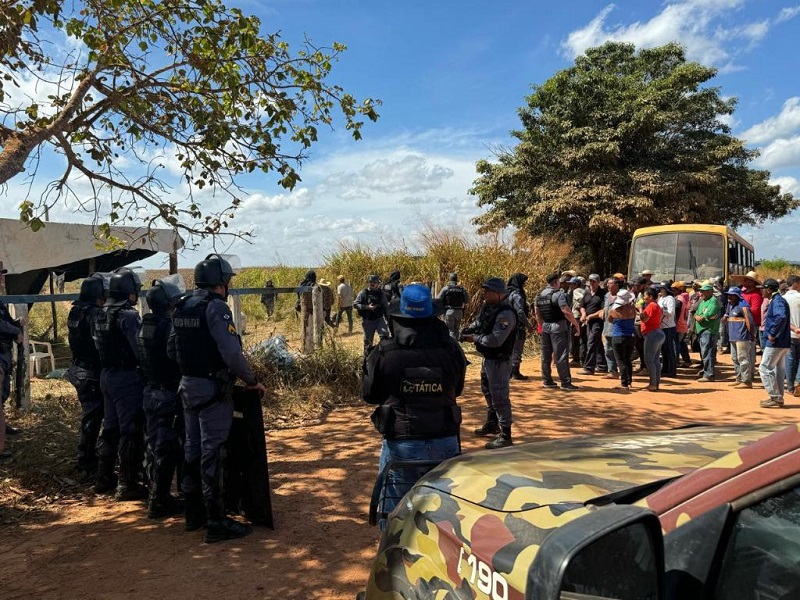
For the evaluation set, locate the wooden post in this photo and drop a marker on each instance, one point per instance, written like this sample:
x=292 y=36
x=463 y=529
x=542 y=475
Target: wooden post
x=173 y=256
x=23 y=396
x=318 y=319
x=238 y=316
x=53 y=308
x=92 y=267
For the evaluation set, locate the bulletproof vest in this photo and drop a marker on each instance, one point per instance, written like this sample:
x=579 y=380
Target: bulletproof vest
x=373 y=297
x=455 y=297
x=81 y=342
x=487 y=320
x=548 y=306
x=198 y=355
x=151 y=344
x=421 y=400
x=113 y=346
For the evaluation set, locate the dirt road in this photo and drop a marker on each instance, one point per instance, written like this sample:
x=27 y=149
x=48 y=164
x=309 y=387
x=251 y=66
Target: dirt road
x=321 y=478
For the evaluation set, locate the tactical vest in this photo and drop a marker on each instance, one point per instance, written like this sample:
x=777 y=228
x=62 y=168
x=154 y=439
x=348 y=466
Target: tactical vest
x=421 y=400
x=548 y=306
x=373 y=297
x=488 y=318
x=455 y=297
x=81 y=342
x=198 y=355
x=112 y=345
x=151 y=344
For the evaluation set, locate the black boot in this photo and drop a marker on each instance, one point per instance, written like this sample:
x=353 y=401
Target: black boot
x=163 y=504
x=501 y=441
x=491 y=426
x=515 y=374
x=220 y=527
x=131 y=458
x=106 y=480
x=194 y=511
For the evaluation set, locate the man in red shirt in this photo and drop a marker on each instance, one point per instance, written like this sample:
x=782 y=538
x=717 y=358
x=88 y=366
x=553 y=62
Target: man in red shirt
x=751 y=294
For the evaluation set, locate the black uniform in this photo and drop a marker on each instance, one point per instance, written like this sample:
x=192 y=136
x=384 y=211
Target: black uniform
x=84 y=375
x=162 y=409
x=373 y=320
x=9 y=330
x=519 y=302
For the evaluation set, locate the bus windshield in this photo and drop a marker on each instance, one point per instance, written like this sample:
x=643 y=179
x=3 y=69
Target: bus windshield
x=684 y=256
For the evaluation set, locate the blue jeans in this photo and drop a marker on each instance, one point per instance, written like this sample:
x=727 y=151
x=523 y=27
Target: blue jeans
x=611 y=358
x=652 y=355
x=399 y=482
x=708 y=352
x=792 y=364
x=773 y=371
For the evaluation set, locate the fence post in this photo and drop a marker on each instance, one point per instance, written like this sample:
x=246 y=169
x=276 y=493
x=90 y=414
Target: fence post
x=318 y=316
x=23 y=380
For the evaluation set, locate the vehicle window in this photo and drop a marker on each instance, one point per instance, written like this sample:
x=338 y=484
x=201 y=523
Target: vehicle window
x=762 y=559
x=619 y=565
x=656 y=253
x=699 y=256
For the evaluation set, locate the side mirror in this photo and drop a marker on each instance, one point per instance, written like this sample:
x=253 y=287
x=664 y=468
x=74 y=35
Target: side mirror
x=614 y=552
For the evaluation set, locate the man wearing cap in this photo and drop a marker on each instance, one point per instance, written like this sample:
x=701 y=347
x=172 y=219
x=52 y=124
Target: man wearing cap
x=372 y=307
x=555 y=316
x=792 y=297
x=455 y=298
x=414 y=377
x=741 y=335
x=749 y=286
x=10 y=333
x=494 y=335
x=706 y=324
x=592 y=318
x=777 y=340
x=577 y=287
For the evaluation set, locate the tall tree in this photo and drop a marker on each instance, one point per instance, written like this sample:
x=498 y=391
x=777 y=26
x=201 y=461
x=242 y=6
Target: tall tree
x=625 y=140
x=133 y=78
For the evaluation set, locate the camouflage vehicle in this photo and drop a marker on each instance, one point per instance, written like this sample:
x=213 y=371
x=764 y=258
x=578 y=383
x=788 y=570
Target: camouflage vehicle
x=701 y=512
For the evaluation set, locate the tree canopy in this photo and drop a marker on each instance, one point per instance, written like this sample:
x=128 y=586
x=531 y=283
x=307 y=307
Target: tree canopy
x=132 y=79
x=622 y=140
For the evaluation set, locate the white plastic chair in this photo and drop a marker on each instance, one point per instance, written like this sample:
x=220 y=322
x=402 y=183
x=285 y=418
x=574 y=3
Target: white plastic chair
x=38 y=355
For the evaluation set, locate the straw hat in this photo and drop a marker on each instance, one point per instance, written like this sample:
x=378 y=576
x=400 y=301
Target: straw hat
x=750 y=275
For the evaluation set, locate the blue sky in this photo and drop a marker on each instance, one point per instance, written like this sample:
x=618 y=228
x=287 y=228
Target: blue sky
x=452 y=75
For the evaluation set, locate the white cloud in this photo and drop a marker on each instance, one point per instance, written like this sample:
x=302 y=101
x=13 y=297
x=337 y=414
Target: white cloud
x=787 y=13
x=260 y=203
x=789 y=185
x=784 y=152
x=699 y=25
x=785 y=123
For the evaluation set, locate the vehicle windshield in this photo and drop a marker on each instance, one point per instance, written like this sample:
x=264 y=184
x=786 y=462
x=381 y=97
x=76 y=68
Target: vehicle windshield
x=684 y=256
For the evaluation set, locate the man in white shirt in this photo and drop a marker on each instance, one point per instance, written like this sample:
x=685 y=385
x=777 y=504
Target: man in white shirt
x=344 y=293
x=792 y=297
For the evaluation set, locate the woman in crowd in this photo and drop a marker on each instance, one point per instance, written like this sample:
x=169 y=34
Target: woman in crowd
x=653 y=337
x=623 y=337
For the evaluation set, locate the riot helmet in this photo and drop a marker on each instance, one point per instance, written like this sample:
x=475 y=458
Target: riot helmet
x=213 y=271
x=124 y=282
x=92 y=288
x=164 y=293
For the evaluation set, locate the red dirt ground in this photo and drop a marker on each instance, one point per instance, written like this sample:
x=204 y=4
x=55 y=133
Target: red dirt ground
x=321 y=477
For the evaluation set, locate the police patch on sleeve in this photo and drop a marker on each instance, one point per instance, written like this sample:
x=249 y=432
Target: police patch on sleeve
x=231 y=329
x=503 y=322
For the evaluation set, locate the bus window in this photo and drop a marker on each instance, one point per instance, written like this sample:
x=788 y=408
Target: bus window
x=656 y=253
x=699 y=256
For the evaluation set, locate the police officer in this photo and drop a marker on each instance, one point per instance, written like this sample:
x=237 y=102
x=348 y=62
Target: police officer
x=116 y=326
x=10 y=333
x=455 y=298
x=414 y=378
x=84 y=372
x=372 y=307
x=162 y=409
x=494 y=335
x=209 y=353
x=519 y=302
x=555 y=316
x=393 y=288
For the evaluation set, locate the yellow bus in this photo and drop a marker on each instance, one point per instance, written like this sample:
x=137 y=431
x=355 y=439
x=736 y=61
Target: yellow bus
x=689 y=252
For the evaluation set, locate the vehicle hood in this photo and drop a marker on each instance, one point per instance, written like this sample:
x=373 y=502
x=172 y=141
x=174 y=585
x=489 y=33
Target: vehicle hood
x=580 y=470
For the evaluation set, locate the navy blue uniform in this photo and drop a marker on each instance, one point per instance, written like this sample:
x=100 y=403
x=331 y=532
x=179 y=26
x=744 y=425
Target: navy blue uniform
x=116 y=327
x=208 y=350
x=373 y=320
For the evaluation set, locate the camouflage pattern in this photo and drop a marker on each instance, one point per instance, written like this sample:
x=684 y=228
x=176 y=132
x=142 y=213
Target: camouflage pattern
x=471 y=527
